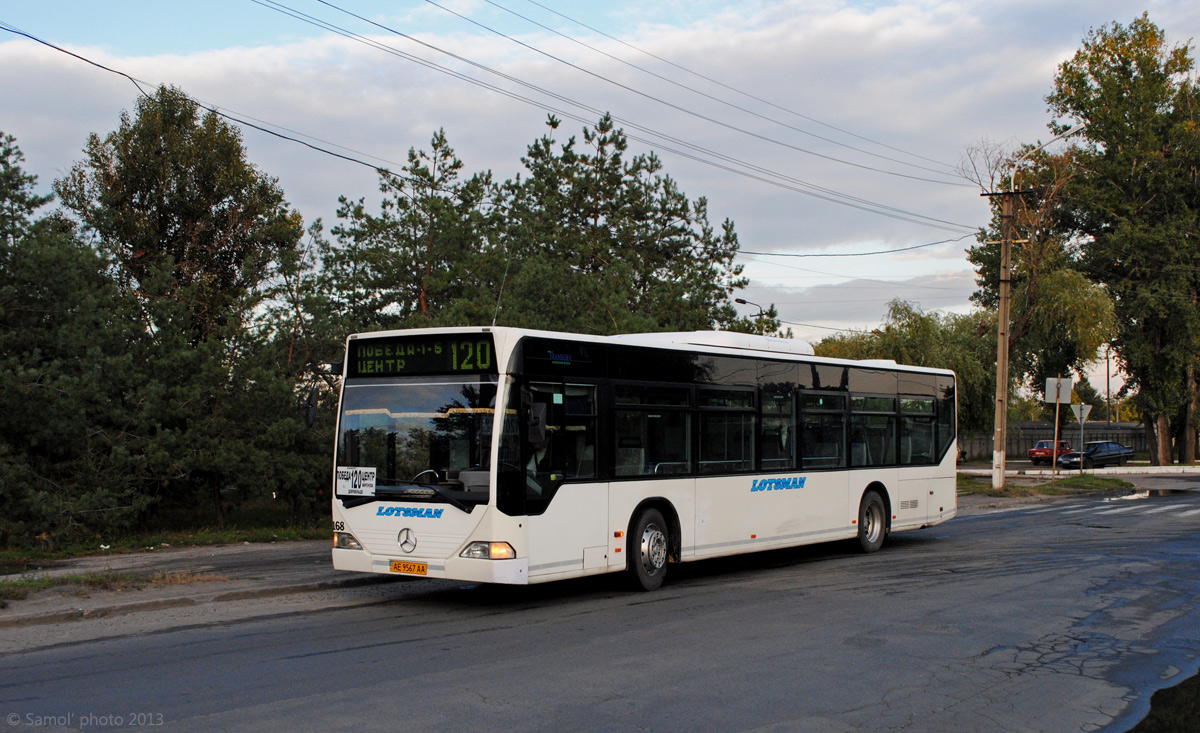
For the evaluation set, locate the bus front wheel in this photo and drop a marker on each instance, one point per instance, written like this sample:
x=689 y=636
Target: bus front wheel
x=872 y=522
x=649 y=544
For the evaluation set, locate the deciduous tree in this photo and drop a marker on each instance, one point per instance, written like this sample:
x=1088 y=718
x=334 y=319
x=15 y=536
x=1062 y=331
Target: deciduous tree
x=196 y=233
x=1059 y=318
x=1137 y=202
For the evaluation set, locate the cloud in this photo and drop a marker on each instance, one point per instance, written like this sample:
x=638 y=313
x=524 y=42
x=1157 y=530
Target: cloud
x=917 y=82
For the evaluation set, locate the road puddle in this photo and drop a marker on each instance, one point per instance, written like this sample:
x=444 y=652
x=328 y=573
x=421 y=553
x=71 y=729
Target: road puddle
x=1149 y=494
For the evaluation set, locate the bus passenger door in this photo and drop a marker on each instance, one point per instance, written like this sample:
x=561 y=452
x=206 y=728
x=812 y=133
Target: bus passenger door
x=570 y=538
x=568 y=506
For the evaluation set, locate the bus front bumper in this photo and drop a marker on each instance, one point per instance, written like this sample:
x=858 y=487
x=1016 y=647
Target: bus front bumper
x=510 y=572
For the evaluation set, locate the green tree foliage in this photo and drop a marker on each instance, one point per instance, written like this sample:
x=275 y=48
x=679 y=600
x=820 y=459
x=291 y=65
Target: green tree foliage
x=1059 y=318
x=1089 y=395
x=183 y=355
x=69 y=460
x=181 y=212
x=586 y=241
x=911 y=336
x=427 y=258
x=1137 y=203
x=607 y=243
x=196 y=234
x=17 y=200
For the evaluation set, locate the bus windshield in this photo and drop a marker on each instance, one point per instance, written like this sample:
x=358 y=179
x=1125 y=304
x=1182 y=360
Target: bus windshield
x=424 y=438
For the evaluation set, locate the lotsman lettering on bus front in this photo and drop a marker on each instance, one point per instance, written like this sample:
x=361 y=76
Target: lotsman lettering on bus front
x=778 y=484
x=404 y=511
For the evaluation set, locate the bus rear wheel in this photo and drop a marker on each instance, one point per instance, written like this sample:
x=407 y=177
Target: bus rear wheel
x=649 y=545
x=872 y=522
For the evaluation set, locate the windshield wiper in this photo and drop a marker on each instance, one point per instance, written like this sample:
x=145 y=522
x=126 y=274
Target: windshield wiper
x=423 y=491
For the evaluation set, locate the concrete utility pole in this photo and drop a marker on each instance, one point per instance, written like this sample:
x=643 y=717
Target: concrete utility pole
x=1000 y=436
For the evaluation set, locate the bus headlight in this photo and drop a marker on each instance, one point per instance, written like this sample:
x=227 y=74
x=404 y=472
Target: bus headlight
x=345 y=541
x=489 y=551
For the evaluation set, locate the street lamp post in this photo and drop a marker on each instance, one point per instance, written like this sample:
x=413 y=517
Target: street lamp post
x=761 y=311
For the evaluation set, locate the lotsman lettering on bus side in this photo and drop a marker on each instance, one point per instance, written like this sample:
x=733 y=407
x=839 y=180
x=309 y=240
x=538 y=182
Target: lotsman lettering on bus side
x=403 y=511
x=778 y=484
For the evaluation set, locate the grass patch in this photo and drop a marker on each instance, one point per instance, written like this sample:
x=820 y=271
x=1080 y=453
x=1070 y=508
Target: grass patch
x=15 y=561
x=22 y=588
x=1090 y=482
x=205 y=536
x=972 y=485
x=19 y=590
x=968 y=485
x=84 y=585
x=185 y=578
x=1070 y=484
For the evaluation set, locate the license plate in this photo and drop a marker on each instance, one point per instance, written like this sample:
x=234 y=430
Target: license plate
x=410 y=568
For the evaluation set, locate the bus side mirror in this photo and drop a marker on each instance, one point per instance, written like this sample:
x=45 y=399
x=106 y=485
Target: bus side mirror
x=310 y=413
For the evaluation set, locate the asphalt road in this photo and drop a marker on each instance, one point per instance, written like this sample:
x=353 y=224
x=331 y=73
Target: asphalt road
x=1056 y=616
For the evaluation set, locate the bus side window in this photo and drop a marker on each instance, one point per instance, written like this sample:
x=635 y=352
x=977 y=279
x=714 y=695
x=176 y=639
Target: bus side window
x=778 y=420
x=631 y=456
x=579 y=430
x=823 y=430
x=569 y=428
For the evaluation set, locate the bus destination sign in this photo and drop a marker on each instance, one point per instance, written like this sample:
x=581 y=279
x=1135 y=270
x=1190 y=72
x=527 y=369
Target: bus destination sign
x=394 y=356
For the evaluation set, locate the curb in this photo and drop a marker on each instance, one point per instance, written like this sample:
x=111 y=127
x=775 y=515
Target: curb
x=83 y=614
x=285 y=590
x=1124 y=470
x=120 y=609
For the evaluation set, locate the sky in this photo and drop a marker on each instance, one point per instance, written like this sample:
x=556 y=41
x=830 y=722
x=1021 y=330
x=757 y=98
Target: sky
x=826 y=130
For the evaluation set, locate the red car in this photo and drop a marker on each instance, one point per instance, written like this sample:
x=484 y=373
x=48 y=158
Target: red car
x=1044 y=451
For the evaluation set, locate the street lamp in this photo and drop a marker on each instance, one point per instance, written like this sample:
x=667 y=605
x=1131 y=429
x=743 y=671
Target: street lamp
x=742 y=301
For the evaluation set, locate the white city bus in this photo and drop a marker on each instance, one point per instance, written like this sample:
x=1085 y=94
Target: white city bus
x=504 y=455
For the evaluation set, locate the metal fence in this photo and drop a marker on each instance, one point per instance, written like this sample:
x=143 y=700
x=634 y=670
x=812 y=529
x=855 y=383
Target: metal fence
x=1023 y=435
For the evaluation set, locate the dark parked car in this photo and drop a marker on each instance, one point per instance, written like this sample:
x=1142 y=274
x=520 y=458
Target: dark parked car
x=1045 y=452
x=1097 y=454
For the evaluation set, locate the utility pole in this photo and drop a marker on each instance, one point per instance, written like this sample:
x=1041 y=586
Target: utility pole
x=1108 y=384
x=1000 y=436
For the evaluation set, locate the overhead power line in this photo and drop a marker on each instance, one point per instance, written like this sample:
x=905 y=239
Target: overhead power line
x=706 y=95
x=211 y=108
x=736 y=90
x=768 y=176
x=877 y=280
x=672 y=105
x=858 y=254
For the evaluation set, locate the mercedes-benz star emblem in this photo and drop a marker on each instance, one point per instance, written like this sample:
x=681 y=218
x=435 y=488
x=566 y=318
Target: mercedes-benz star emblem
x=407 y=540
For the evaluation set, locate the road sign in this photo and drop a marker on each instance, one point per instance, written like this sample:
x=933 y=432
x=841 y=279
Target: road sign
x=1058 y=390
x=1081 y=413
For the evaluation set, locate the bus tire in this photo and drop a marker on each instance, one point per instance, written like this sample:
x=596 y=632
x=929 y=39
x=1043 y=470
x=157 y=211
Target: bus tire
x=649 y=547
x=872 y=522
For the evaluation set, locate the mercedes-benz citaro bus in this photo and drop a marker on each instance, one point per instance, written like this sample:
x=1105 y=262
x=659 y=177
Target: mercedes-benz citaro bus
x=503 y=455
